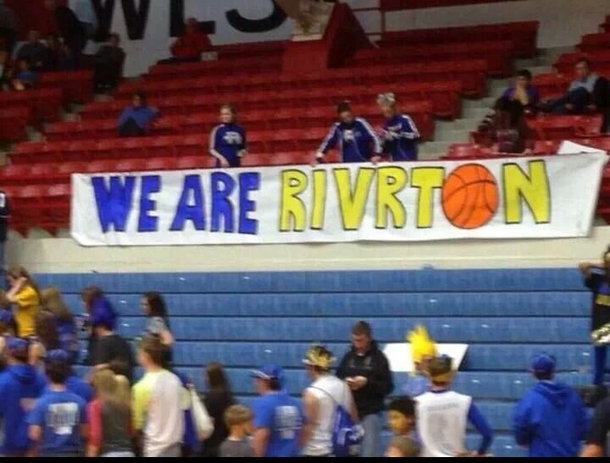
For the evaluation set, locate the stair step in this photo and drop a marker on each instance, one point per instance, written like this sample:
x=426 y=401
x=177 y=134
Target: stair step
x=476 y=113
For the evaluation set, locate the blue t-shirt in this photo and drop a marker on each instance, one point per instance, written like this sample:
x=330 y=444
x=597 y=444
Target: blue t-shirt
x=283 y=416
x=80 y=387
x=59 y=414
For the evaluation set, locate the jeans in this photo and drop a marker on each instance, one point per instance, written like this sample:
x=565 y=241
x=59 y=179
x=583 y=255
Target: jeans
x=599 y=354
x=118 y=454
x=372 y=432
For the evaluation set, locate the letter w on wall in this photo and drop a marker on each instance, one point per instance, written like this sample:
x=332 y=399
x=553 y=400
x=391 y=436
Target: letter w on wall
x=136 y=17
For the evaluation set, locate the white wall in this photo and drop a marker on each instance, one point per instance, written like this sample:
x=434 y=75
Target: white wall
x=57 y=255
x=562 y=22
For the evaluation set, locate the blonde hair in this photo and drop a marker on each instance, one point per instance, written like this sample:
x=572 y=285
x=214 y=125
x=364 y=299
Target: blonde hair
x=52 y=300
x=237 y=415
x=110 y=389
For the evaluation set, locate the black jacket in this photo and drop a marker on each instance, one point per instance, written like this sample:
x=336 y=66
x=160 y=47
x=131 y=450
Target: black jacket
x=374 y=366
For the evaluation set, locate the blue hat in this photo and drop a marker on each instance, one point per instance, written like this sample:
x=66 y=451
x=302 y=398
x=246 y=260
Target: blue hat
x=6 y=316
x=102 y=313
x=57 y=356
x=14 y=344
x=543 y=363
x=268 y=372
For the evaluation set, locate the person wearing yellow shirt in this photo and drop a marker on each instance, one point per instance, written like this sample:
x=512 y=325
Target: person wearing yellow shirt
x=23 y=294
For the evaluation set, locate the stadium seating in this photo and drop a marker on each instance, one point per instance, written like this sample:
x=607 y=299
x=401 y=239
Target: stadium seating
x=600 y=62
x=524 y=36
x=594 y=42
x=248 y=319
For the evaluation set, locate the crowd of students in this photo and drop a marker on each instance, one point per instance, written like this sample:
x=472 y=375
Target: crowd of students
x=47 y=410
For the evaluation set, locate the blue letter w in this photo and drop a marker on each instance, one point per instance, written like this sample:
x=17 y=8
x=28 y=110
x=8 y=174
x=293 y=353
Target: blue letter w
x=113 y=203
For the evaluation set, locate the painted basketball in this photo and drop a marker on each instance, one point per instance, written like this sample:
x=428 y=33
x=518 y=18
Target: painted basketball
x=470 y=196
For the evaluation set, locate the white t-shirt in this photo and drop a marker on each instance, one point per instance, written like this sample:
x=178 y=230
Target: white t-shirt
x=159 y=401
x=441 y=423
x=325 y=389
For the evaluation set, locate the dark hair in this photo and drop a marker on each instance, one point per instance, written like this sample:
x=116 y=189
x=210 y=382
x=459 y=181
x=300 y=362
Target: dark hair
x=21 y=355
x=141 y=94
x=524 y=73
x=583 y=59
x=89 y=294
x=114 y=35
x=120 y=368
x=275 y=384
x=46 y=330
x=404 y=405
x=217 y=379
x=544 y=376
x=155 y=349
x=362 y=328
x=57 y=372
x=157 y=305
x=343 y=107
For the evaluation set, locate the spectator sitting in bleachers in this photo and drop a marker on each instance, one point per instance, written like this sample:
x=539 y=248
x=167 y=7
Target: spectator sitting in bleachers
x=356 y=138
x=228 y=140
x=399 y=133
x=136 y=119
x=507 y=128
x=523 y=91
x=8 y=26
x=34 y=52
x=108 y=65
x=69 y=28
x=22 y=77
x=192 y=44
x=584 y=93
x=58 y=57
x=551 y=419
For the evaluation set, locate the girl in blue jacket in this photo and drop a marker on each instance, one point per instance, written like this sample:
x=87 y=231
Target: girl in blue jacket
x=228 y=140
x=354 y=135
x=399 y=132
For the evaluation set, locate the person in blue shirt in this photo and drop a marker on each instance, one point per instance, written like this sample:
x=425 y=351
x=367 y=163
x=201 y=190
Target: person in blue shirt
x=278 y=418
x=58 y=420
x=20 y=385
x=551 y=419
x=399 y=133
x=73 y=383
x=135 y=120
x=355 y=137
x=228 y=139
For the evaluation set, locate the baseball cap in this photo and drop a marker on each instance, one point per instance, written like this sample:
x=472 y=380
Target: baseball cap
x=57 y=356
x=543 y=363
x=268 y=372
x=14 y=344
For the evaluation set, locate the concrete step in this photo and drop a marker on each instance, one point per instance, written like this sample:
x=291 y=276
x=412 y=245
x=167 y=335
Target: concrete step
x=486 y=102
x=544 y=57
x=535 y=70
x=457 y=124
x=432 y=150
x=476 y=113
x=453 y=135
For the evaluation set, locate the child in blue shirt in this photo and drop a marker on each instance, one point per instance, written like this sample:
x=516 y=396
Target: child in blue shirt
x=354 y=135
x=135 y=120
x=278 y=418
x=399 y=133
x=58 y=420
x=228 y=140
x=20 y=385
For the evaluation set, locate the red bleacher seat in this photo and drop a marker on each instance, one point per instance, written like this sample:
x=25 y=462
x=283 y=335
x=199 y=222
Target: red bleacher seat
x=562 y=127
x=523 y=34
x=202 y=161
x=13 y=122
x=68 y=168
x=101 y=166
x=255 y=160
x=600 y=62
x=192 y=145
x=594 y=42
x=160 y=164
x=551 y=85
x=77 y=86
x=130 y=165
x=286 y=159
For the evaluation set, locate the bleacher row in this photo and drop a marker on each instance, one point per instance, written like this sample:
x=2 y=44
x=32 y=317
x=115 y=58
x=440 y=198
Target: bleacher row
x=248 y=319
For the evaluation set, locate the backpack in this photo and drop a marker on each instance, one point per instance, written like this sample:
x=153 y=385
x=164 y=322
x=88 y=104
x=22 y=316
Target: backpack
x=346 y=435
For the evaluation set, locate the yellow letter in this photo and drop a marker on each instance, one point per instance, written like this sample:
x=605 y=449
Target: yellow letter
x=426 y=179
x=353 y=203
x=319 y=200
x=390 y=181
x=292 y=208
x=533 y=189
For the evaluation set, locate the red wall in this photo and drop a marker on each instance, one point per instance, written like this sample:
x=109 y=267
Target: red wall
x=393 y=5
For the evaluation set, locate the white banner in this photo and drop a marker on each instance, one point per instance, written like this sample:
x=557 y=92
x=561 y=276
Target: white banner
x=546 y=197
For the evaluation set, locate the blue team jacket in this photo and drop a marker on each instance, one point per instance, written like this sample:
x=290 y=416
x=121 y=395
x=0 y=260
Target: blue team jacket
x=228 y=141
x=142 y=116
x=550 y=420
x=357 y=141
x=20 y=385
x=400 y=138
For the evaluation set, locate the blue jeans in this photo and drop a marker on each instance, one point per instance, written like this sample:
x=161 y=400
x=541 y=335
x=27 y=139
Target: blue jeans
x=599 y=365
x=372 y=433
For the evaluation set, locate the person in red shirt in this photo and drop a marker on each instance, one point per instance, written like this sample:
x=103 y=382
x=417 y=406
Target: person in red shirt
x=193 y=43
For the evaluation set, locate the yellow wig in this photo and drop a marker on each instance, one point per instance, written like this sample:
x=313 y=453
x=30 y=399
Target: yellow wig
x=421 y=344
